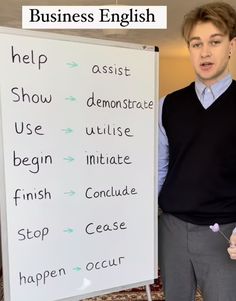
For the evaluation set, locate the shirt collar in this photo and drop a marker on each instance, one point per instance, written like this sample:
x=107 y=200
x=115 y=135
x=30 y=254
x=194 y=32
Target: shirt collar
x=216 y=89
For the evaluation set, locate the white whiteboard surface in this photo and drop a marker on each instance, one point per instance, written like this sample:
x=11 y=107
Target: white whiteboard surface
x=78 y=198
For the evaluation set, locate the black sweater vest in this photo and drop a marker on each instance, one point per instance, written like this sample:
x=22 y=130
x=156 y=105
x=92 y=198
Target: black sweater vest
x=200 y=186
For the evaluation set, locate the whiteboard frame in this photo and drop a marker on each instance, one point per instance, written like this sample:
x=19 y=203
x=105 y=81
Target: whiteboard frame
x=3 y=215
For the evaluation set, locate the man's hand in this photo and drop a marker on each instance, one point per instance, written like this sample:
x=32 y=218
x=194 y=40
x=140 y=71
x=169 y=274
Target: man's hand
x=232 y=249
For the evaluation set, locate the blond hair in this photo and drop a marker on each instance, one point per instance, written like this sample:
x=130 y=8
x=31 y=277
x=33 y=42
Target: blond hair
x=220 y=14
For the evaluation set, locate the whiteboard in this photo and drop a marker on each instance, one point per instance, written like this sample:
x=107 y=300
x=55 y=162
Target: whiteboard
x=78 y=197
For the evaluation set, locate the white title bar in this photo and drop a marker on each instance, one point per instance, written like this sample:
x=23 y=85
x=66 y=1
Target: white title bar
x=94 y=17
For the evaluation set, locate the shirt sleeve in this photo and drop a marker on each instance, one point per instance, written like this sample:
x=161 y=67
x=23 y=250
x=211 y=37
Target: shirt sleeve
x=163 y=149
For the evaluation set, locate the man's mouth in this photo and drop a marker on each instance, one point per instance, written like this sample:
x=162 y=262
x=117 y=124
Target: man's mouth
x=206 y=66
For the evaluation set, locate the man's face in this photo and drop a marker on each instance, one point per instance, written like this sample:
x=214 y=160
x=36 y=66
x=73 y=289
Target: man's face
x=209 y=52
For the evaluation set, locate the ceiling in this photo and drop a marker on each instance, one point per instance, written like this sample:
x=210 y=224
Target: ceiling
x=168 y=40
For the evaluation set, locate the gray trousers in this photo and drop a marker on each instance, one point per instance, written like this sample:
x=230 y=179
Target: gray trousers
x=192 y=256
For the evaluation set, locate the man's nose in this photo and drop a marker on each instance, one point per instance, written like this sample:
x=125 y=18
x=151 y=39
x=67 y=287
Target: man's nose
x=205 y=51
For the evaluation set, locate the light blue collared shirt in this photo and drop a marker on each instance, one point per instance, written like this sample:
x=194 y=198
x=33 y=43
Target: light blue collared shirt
x=206 y=95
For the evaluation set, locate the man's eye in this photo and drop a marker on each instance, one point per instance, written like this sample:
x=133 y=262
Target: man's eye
x=215 y=42
x=196 y=45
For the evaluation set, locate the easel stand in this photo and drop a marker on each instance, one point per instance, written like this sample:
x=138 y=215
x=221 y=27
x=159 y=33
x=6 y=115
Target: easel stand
x=148 y=292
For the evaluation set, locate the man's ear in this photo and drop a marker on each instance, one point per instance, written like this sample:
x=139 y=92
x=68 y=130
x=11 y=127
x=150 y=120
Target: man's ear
x=232 y=46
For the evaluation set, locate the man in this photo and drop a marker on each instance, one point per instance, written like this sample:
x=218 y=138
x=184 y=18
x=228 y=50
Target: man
x=197 y=165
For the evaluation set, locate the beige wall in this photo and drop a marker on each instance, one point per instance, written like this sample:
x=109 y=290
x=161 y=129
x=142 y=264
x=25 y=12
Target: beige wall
x=175 y=73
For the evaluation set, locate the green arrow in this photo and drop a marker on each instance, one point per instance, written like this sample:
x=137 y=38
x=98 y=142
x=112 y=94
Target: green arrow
x=72 y=64
x=69 y=159
x=67 y=131
x=77 y=269
x=71 y=98
x=70 y=193
x=69 y=230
